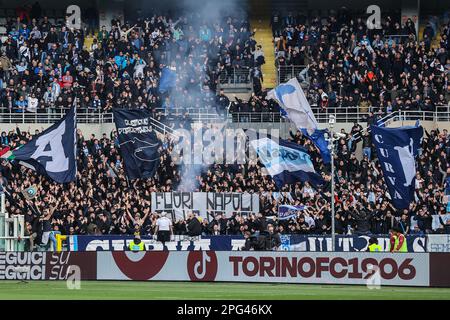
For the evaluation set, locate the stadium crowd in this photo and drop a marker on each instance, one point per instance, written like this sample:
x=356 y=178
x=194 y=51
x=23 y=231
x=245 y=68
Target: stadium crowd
x=44 y=68
x=103 y=201
x=349 y=67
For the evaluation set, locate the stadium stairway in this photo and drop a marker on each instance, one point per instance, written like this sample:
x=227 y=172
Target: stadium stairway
x=437 y=37
x=260 y=22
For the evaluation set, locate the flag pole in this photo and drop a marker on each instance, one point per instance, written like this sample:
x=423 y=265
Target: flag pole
x=331 y=139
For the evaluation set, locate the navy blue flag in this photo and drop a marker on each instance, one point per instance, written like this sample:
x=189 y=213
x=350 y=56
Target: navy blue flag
x=53 y=152
x=286 y=162
x=318 y=138
x=138 y=142
x=168 y=80
x=397 y=149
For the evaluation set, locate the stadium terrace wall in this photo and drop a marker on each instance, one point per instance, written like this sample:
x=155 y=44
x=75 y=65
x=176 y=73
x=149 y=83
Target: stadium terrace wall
x=304 y=243
x=372 y=269
x=284 y=127
x=86 y=129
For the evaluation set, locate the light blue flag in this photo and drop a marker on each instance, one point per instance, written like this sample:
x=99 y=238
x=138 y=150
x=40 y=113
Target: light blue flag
x=318 y=138
x=168 y=80
x=286 y=162
x=292 y=100
x=294 y=105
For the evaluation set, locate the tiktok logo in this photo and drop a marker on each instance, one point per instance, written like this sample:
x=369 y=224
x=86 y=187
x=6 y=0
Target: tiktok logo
x=202 y=265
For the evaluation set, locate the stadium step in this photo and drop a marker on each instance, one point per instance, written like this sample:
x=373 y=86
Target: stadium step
x=436 y=39
x=260 y=22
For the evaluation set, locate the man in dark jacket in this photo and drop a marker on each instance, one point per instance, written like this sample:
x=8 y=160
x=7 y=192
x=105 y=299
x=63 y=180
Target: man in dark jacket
x=269 y=240
x=362 y=218
x=251 y=242
x=194 y=227
x=424 y=220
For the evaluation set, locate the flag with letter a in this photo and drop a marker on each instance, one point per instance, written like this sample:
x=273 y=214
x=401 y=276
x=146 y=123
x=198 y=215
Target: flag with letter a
x=53 y=152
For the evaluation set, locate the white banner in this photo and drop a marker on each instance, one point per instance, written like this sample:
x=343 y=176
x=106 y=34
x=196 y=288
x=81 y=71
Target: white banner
x=408 y=269
x=203 y=202
x=438 y=243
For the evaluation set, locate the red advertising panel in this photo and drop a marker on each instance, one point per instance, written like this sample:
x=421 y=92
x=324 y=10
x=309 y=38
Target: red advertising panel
x=47 y=265
x=439 y=270
x=408 y=269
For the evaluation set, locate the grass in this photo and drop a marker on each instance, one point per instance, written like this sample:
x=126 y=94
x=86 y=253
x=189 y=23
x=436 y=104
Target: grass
x=103 y=290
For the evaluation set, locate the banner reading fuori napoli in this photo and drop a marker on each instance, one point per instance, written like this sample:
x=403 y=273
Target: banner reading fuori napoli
x=203 y=202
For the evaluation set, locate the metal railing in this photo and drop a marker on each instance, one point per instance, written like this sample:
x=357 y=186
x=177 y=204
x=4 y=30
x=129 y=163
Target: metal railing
x=438 y=116
x=97 y=117
x=235 y=77
x=83 y=116
x=383 y=121
x=162 y=128
x=322 y=116
x=397 y=38
x=272 y=117
x=285 y=73
x=343 y=116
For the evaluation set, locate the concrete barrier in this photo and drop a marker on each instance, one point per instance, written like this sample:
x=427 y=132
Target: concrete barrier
x=407 y=269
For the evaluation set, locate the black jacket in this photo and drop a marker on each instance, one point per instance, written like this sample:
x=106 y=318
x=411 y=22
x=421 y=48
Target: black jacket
x=194 y=227
x=362 y=219
x=269 y=240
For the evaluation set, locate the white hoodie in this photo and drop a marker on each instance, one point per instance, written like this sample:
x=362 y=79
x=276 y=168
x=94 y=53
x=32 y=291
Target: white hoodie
x=32 y=104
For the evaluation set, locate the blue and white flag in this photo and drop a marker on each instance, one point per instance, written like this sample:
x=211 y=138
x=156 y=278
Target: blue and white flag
x=292 y=100
x=53 y=152
x=286 y=162
x=286 y=211
x=318 y=138
x=397 y=149
x=295 y=107
x=168 y=80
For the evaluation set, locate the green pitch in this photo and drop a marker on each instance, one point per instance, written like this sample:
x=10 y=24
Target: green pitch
x=185 y=290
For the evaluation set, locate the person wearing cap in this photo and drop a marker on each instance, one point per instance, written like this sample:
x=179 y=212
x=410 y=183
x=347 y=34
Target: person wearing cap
x=164 y=228
x=136 y=245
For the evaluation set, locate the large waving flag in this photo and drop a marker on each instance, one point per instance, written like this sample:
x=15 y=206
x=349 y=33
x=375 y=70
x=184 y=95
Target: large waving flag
x=286 y=162
x=53 y=152
x=6 y=153
x=138 y=142
x=295 y=107
x=318 y=138
x=397 y=149
x=292 y=100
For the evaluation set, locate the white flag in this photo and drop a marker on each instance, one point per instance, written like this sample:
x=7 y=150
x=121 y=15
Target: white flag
x=292 y=99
